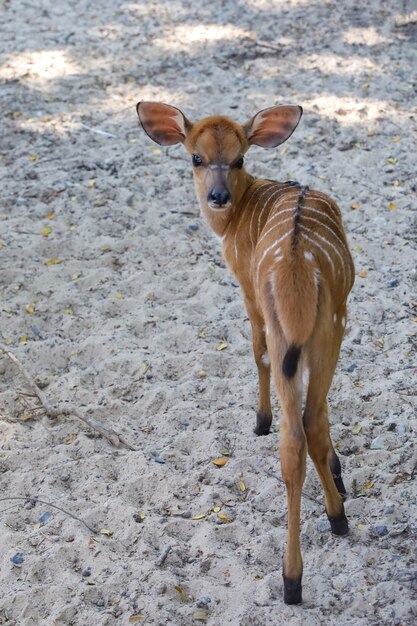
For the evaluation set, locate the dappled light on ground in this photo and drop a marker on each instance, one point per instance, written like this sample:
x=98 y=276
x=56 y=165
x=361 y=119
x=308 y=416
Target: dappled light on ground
x=39 y=67
x=115 y=297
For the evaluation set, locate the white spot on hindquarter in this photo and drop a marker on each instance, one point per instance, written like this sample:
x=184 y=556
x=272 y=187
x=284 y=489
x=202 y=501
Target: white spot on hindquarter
x=334 y=318
x=265 y=359
x=316 y=276
x=306 y=377
x=309 y=255
x=343 y=321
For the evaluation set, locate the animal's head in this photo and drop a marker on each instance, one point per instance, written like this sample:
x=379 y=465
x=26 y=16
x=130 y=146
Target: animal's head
x=217 y=145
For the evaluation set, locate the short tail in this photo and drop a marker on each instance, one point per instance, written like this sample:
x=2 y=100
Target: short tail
x=295 y=287
x=290 y=362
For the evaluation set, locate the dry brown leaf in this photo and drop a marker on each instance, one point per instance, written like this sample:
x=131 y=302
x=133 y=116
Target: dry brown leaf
x=222 y=345
x=220 y=461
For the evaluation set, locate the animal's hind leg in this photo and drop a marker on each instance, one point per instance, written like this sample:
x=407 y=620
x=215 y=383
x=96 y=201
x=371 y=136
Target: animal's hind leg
x=293 y=452
x=323 y=351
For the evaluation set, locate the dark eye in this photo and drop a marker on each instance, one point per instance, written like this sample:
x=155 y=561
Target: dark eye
x=197 y=161
x=239 y=164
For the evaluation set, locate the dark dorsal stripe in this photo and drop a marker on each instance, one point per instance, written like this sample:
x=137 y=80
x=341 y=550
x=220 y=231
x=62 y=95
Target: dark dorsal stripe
x=297 y=214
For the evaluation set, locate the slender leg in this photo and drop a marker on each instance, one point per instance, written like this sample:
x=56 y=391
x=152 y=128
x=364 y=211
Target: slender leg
x=264 y=413
x=293 y=451
x=323 y=353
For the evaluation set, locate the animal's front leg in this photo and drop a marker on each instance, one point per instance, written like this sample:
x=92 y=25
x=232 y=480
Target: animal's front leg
x=263 y=414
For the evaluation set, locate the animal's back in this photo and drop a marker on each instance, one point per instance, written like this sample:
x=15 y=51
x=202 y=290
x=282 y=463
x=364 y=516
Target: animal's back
x=301 y=256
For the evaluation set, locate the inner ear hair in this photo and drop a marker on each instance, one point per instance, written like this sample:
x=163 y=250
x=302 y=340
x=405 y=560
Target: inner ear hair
x=271 y=127
x=163 y=123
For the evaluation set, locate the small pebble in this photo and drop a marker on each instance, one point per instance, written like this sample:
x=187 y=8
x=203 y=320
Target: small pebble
x=389 y=508
x=86 y=571
x=193 y=227
x=379 y=443
x=351 y=368
x=203 y=602
x=381 y=530
x=393 y=283
x=100 y=602
x=159 y=459
x=201 y=615
x=43 y=518
x=162 y=589
x=21 y=201
x=205 y=566
x=323 y=525
x=17 y=559
x=184 y=423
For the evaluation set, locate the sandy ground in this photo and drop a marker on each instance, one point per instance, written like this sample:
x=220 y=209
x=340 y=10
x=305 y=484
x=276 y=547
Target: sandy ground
x=115 y=297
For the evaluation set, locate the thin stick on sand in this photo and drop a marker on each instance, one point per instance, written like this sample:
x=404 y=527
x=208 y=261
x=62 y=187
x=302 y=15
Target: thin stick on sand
x=55 y=410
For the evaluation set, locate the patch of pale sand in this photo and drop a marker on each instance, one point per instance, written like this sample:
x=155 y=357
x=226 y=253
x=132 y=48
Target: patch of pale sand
x=134 y=311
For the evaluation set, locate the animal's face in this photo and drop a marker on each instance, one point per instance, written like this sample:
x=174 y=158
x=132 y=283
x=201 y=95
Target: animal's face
x=217 y=145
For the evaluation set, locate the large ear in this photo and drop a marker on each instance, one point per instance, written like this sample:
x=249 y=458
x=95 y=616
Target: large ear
x=163 y=123
x=273 y=126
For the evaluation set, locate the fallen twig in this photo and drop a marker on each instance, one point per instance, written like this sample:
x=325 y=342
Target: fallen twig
x=266 y=44
x=35 y=499
x=97 y=131
x=162 y=557
x=54 y=411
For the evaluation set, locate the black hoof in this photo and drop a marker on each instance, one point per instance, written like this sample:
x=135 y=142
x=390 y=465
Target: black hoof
x=292 y=590
x=263 y=424
x=339 y=525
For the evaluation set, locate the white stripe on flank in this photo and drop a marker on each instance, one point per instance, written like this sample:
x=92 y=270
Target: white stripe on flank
x=240 y=219
x=334 y=209
x=267 y=186
x=329 y=243
x=289 y=219
x=335 y=235
x=342 y=261
x=323 y=250
x=329 y=217
x=271 y=247
x=316 y=276
x=273 y=217
x=268 y=204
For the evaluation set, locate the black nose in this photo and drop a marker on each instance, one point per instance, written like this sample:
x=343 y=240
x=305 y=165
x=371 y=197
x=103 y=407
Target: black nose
x=219 y=196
